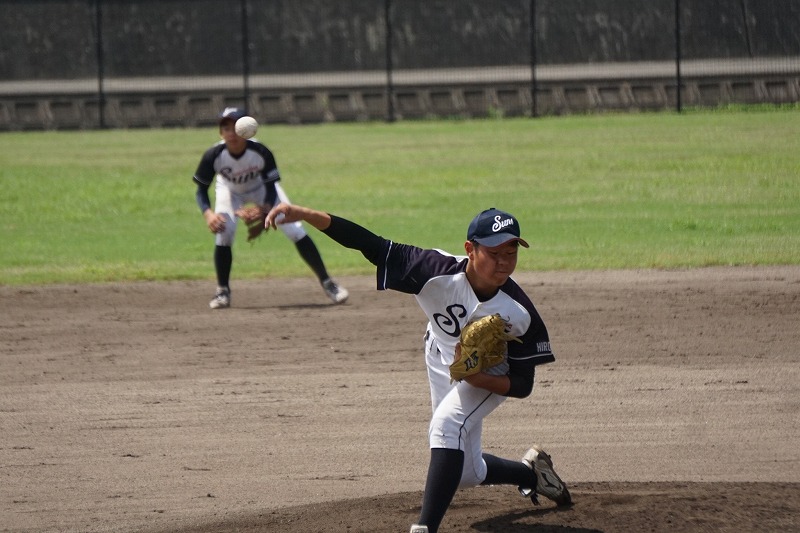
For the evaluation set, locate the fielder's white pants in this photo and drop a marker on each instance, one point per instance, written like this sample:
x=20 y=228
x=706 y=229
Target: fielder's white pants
x=227 y=202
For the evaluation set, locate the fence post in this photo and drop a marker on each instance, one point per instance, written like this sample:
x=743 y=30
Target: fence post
x=101 y=94
x=387 y=8
x=678 y=80
x=534 y=83
x=245 y=56
x=746 y=24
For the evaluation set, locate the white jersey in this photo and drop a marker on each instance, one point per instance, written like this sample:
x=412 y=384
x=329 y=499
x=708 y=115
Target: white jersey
x=439 y=282
x=242 y=174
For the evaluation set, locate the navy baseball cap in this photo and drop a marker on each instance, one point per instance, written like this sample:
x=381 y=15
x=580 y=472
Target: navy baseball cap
x=232 y=113
x=493 y=227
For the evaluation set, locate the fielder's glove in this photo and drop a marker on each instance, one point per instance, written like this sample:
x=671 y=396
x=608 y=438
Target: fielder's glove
x=483 y=345
x=254 y=217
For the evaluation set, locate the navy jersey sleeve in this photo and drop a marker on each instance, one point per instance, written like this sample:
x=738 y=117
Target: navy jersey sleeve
x=401 y=267
x=269 y=173
x=205 y=172
x=407 y=268
x=523 y=358
x=271 y=196
x=535 y=347
x=204 y=175
x=351 y=235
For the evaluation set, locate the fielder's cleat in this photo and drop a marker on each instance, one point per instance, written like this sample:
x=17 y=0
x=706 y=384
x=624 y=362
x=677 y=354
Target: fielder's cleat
x=337 y=294
x=222 y=299
x=418 y=529
x=548 y=484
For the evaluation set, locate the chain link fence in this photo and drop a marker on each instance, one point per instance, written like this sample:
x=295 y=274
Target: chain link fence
x=67 y=64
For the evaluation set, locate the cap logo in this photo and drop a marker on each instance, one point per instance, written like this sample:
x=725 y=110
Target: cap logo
x=499 y=223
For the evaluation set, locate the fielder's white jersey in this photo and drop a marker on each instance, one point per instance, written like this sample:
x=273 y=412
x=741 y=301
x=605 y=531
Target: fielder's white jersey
x=240 y=174
x=439 y=282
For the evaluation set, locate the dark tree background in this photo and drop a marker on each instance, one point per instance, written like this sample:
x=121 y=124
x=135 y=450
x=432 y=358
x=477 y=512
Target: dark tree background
x=57 y=39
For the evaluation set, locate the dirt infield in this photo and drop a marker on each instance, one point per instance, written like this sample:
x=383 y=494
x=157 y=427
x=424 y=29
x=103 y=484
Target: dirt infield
x=672 y=406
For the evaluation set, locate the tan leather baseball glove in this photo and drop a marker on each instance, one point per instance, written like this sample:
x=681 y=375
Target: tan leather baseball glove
x=253 y=216
x=483 y=345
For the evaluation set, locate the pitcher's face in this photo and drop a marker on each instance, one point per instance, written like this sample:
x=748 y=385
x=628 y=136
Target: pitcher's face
x=492 y=266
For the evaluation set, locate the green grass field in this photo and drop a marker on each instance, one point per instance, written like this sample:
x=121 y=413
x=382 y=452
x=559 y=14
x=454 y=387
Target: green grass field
x=591 y=192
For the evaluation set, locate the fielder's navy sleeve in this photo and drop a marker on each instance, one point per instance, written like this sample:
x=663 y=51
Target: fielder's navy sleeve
x=204 y=176
x=205 y=172
x=203 y=200
x=269 y=172
x=271 y=196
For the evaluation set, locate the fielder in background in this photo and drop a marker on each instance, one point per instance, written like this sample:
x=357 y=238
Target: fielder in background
x=453 y=292
x=246 y=173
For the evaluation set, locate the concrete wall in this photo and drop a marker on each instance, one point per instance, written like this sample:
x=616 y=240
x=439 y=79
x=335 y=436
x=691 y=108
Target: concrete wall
x=176 y=63
x=420 y=94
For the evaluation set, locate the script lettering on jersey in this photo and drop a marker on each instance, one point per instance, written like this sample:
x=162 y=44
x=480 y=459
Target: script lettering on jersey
x=499 y=223
x=449 y=322
x=241 y=177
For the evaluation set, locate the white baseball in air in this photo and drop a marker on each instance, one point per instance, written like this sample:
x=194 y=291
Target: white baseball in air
x=246 y=127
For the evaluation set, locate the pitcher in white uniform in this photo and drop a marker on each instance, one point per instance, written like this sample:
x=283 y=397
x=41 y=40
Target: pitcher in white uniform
x=453 y=291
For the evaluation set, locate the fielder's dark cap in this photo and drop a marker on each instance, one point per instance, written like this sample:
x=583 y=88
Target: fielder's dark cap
x=493 y=227
x=232 y=113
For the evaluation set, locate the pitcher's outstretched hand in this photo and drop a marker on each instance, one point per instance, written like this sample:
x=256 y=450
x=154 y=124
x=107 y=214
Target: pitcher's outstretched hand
x=284 y=213
x=277 y=215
